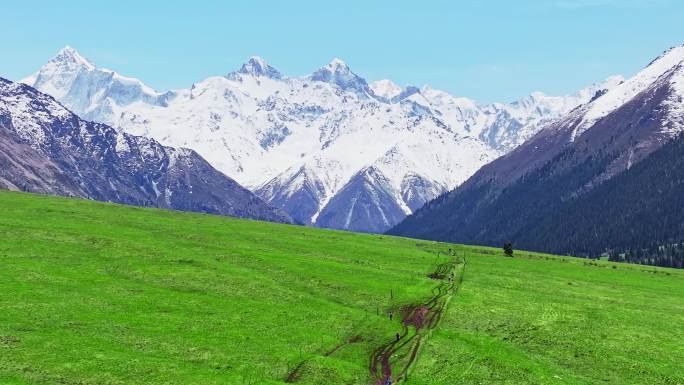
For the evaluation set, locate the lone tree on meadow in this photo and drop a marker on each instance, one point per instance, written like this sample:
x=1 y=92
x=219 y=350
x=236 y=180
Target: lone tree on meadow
x=508 y=249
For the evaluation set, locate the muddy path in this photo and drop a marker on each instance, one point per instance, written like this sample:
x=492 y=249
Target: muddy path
x=393 y=360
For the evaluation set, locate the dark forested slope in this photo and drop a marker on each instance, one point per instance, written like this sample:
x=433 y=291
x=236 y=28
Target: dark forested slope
x=603 y=178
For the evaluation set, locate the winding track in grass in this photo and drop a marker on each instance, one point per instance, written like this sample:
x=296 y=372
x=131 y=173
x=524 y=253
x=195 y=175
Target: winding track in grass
x=417 y=321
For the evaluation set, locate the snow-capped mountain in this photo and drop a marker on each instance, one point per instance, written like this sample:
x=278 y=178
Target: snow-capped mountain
x=45 y=148
x=605 y=176
x=328 y=148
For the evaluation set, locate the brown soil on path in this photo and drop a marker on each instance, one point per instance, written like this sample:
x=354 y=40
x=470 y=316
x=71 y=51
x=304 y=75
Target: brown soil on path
x=416 y=320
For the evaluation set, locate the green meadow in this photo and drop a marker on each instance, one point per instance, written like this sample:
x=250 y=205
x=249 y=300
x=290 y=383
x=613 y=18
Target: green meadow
x=94 y=293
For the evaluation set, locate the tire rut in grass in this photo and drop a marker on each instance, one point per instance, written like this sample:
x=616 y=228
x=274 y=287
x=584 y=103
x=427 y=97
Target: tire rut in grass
x=417 y=321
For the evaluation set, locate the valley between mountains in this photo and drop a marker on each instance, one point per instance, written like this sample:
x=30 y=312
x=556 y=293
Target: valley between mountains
x=176 y=210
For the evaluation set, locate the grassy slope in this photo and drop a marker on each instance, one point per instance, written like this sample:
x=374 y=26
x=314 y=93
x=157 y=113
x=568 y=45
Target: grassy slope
x=93 y=293
x=535 y=319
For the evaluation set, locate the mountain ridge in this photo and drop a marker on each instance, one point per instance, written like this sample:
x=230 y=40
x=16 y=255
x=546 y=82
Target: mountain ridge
x=45 y=148
x=526 y=195
x=263 y=128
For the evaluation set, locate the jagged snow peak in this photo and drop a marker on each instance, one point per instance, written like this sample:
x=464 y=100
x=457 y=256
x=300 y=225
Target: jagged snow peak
x=338 y=64
x=298 y=141
x=90 y=91
x=59 y=73
x=626 y=90
x=256 y=66
x=337 y=72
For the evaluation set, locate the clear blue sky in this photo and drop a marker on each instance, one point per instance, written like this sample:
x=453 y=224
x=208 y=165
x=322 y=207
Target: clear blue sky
x=487 y=50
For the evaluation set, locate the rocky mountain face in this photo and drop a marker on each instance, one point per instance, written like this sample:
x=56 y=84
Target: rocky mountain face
x=595 y=180
x=45 y=148
x=330 y=149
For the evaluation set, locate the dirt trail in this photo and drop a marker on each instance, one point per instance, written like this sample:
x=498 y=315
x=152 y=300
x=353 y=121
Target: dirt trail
x=417 y=321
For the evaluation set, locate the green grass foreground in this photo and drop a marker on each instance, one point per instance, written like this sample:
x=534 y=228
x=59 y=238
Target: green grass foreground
x=94 y=293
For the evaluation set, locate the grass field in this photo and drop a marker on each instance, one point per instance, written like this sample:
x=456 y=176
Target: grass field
x=535 y=319
x=94 y=293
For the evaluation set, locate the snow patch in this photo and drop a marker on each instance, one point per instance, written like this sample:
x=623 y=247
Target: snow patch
x=385 y=88
x=623 y=92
